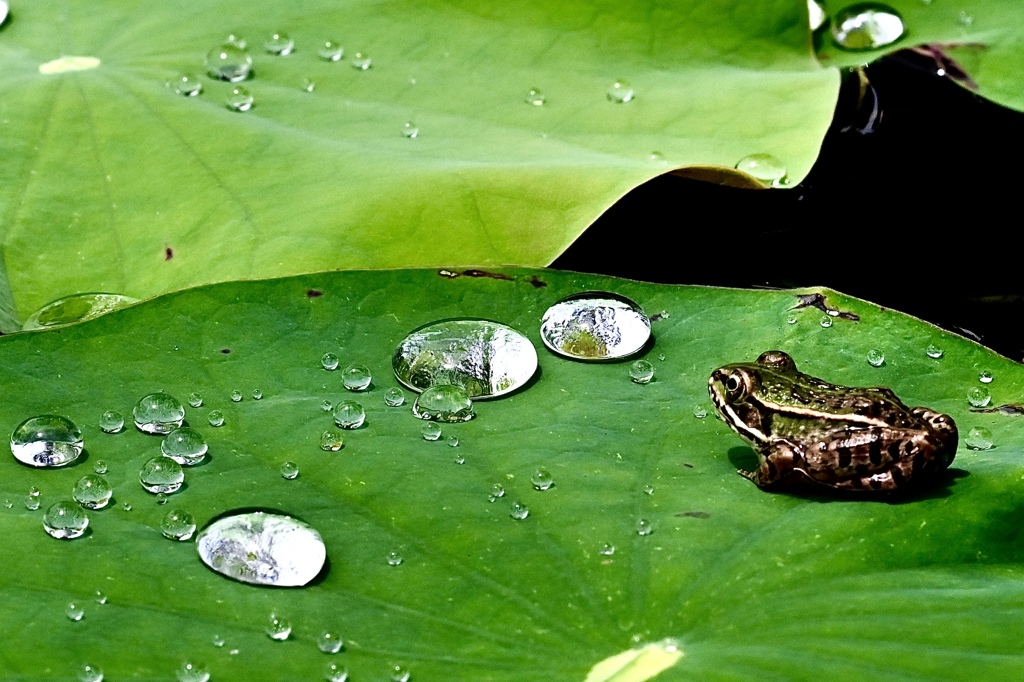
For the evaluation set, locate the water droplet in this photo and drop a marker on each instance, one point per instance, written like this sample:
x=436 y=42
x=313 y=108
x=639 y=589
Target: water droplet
x=661 y=357
x=933 y=351
x=187 y=85
x=644 y=527
x=607 y=549
x=308 y=84
x=279 y=44
x=656 y=156
x=65 y=520
x=237 y=41
x=331 y=441
x=31 y=502
x=979 y=396
x=126 y=506
x=228 y=63
x=100 y=597
x=92 y=492
x=965 y=19
x=46 y=441
x=356 y=378
x=100 y=467
x=648 y=489
x=410 y=130
x=236 y=396
x=519 y=511
x=34 y=492
x=331 y=51
x=876 y=358
x=178 y=525
x=497 y=490
x=699 y=411
x=8 y=504
x=979 y=438
x=326 y=406
x=394 y=559
x=185 y=446
x=445 y=403
x=394 y=397
x=289 y=470
x=542 y=479
x=867 y=26
x=400 y=673
x=77 y=308
x=985 y=377
x=641 y=372
x=192 y=672
x=217 y=641
x=216 y=418
x=240 y=99
x=195 y=400
x=161 y=475
x=816 y=16
x=535 y=97
x=453 y=441
x=257 y=394
x=826 y=321
x=485 y=358
x=90 y=673
x=158 y=413
x=620 y=92
x=329 y=642
x=595 y=325
x=764 y=167
x=278 y=628
x=74 y=611
x=431 y=431
x=349 y=414
x=335 y=672
x=111 y=421
x=329 y=361
x=161 y=498
x=459 y=459
x=361 y=61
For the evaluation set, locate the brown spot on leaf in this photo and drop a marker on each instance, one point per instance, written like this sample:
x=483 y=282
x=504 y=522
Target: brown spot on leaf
x=695 y=514
x=168 y=253
x=1009 y=408
x=488 y=273
x=225 y=351
x=314 y=293
x=819 y=301
x=537 y=282
x=687 y=465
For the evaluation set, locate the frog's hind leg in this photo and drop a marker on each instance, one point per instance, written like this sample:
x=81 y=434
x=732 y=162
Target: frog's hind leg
x=781 y=467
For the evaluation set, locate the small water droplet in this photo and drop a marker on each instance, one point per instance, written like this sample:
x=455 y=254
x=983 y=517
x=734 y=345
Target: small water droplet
x=74 y=611
x=431 y=431
x=542 y=479
x=257 y=394
x=279 y=44
x=394 y=397
x=8 y=504
x=644 y=527
x=876 y=358
x=161 y=498
x=335 y=672
x=185 y=446
x=217 y=641
x=641 y=372
x=289 y=470
x=161 y=475
x=278 y=628
x=607 y=549
x=178 y=525
x=934 y=351
x=648 y=489
x=192 y=672
x=240 y=99
x=100 y=597
x=394 y=559
x=361 y=61
x=979 y=396
x=356 y=378
x=867 y=26
x=535 y=97
x=453 y=441
x=34 y=492
x=195 y=400
x=216 y=418
x=979 y=438
x=826 y=321
x=48 y=440
x=90 y=673
x=764 y=167
x=595 y=325
x=791 y=319
x=331 y=441
x=326 y=405
x=699 y=411
x=661 y=357
x=228 y=63
x=656 y=156
x=400 y=673
x=410 y=130
x=126 y=506
x=965 y=19
x=445 y=403
x=349 y=414
x=459 y=459
x=237 y=41
x=31 y=502
x=331 y=51
x=519 y=511
x=158 y=413
x=92 y=492
x=620 y=92
x=497 y=490
x=329 y=642
x=329 y=362
x=308 y=84
x=187 y=85
x=985 y=377
x=100 y=467
x=65 y=520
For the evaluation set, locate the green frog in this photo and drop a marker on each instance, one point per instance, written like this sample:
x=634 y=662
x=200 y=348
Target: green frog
x=809 y=433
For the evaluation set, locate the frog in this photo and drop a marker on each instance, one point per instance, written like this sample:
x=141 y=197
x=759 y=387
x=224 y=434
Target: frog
x=810 y=434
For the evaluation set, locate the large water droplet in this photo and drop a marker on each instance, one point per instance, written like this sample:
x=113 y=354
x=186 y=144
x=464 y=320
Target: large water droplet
x=158 y=413
x=356 y=377
x=979 y=396
x=262 y=549
x=228 y=63
x=876 y=358
x=349 y=414
x=644 y=527
x=535 y=97
x=431 y=431
x=867 y=26
x=361 y=61
x=48 y=440
x=335 y=672
x=933 y=351
x=65 y=520
x=92 y=492
x=329 y=361
x=641 y=372
x=979 y=438
x=215 y=418
x=279 y=44
x=240 y=99
x=187 y=85
x=331 y=441
x=542 y=479
x=487 y=359
x=161 y=475
x=519 y=511
x=394 y=559
x=111 y=421
x=394 y=397
x=764 y=167
x=444 y=403
x=595 y=325
x=185 y=446
x=329 y=642
x=75 y=308
x=178 y=524
x=192 y=672
x=331 y=50
x=289 y=470
x=3 y=11
x=74 y=611
x=620 y=92
x=90 y=673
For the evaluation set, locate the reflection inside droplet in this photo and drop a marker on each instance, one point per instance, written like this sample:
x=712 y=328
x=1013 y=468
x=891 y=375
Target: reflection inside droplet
x=595 y=325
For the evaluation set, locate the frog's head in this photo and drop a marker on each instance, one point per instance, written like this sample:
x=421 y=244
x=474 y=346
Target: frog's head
x=735 y=388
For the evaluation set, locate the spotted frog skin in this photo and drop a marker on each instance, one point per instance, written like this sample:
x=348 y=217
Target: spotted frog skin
x=809 y=433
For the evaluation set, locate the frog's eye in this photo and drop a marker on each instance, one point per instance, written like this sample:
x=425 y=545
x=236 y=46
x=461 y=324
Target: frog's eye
x=735 y=387
x=732 y=384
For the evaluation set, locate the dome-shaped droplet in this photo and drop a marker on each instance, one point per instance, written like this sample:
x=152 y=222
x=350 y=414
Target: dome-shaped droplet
x=237 y=40
x=100 y=467
x=641 y=372
x=430 y=431
x=215 y=418
x=158 y=413
x=497 y=490
x=607 y=549
x=289 y=470
x=187 y=85
x=195 y=399
x=236 y=396
x=825 y=321
x=444 y=403
x=410 y=130
x=620 y=92
x=348 y=414
x=240 y=99
x=92 y=492
x=356 y=377
x=77 y=308
x=979 y=396
x=519 y=511
x=487 y=359
x=644 y=527
x=90 y=673
x=699 y=411
x=331 y=50
x=161 y=498
x=308 y=85
x=228 y=63
x=74 y=611
x=979 y=438
x=48 y=440
x=279 y=44
x=257 y=394
x=326 y=405
x=335 y=672
x=394 y=559
x=185 y=446
x=329 y=361
x=985 y=376
x=542 y=479
x=192 y=672
x=764 y=167
x=161 y=475
x=867 y=26
x=329 y=642
x=361 y=61
x=535 y=97
x=111 y=421
x=933 y=351
x=394 y=397
x=331 y=441
x=262 y=549
x=452 y=441
x=595 y=325
x=178 y=524
x=65 y=520
x=399 y=673
x=876 y=358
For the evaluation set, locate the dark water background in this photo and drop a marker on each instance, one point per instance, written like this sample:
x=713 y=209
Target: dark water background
x=922 y=215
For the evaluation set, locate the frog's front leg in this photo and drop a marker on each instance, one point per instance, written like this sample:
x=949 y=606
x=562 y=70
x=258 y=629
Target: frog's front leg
x=782 y=465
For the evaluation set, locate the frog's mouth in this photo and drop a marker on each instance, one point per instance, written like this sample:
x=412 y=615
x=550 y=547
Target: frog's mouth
x=741 y=417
